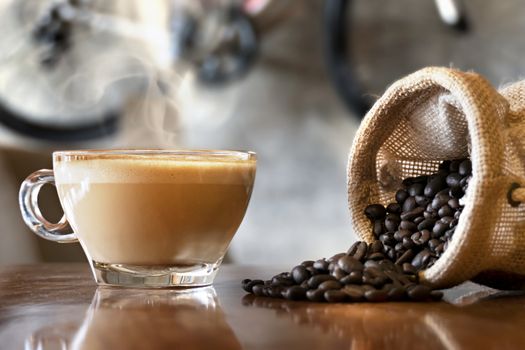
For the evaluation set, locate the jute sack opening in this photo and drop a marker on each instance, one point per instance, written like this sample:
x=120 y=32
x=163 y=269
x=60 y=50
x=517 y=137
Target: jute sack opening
x=437 y=114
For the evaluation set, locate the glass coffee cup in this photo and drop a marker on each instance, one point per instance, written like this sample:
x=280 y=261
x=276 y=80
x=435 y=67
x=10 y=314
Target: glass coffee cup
x=146 y=218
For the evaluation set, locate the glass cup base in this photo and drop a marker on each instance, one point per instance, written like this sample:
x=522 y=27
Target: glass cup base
x=155 y=276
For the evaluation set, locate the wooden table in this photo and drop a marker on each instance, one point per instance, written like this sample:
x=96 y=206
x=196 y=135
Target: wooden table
x=57 y=306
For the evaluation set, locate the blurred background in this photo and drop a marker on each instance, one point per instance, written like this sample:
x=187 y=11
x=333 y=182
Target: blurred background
x=289 y=79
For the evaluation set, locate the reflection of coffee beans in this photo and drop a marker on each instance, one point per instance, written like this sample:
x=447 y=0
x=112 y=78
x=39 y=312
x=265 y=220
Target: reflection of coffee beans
x=411 y=234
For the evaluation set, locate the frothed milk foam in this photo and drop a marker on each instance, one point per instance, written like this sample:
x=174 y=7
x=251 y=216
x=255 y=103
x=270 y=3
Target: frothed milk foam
x=154 y=211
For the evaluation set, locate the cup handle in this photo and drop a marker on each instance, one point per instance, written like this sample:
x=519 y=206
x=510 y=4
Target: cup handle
x=28 y=199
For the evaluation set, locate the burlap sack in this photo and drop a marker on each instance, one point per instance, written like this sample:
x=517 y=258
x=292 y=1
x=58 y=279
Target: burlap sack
x=437 y=114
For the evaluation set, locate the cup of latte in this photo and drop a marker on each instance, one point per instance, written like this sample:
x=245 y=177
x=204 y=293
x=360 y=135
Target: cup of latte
x=146 y=218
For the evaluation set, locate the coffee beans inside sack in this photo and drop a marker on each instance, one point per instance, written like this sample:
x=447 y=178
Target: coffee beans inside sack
x=436 y=192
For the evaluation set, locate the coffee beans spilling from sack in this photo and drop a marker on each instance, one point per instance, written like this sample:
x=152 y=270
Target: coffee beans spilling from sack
x=412 y=233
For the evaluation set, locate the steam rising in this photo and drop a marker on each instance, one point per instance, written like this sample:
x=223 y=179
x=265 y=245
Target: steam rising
x=120 y=61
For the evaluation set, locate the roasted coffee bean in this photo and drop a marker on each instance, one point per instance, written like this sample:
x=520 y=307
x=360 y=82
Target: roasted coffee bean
x=300 y=274
x=354 y=277
x=294 y=293
x=377 y=282
x=376 y=295
x=396 y=293
x=315 y=295
x=307 y=263
x=453 y=203
x=465 y=168
x=393 y=208
x=439 y=201
x=321 y=265
x=398 y=235
x=440 y=248
x=315 y=281
x=416 y=189
x=430 y=214
x=445 y=211
x=275 y=291
x=456 y=215
x=435 y=185
x=378 y=227
x=361 y=251
x=376 y=247
x=338 y=273
x=409 y=204
x=422 y=201
x=417 y=262
x=248 y=287
x=335 y=296
x=426 y=224
x=464 y=181
x=399 y=248
x=355 y=293
x=410 y=215
x=281 y=281
x=326 y=285
x=387 y=239
x=349 y=264
x=353 y=248
x=408 y=225
x=245 y=282
x=446 y=220
x=401 y=196
x=433 y=243
x=415 y=237
x=408 y=243
x=312 y=270
x=407 y=256
x=392 y=222
x=376 y=256
x=439 y=229
x=371 y=263
x=258 y=290
x=418 y=220
x=375 y=212
x=453 y=180
x=425 y=236
x=419 y=292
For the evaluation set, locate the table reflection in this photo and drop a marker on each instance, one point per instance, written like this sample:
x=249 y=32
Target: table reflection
x=136 y=319
x=488 y=320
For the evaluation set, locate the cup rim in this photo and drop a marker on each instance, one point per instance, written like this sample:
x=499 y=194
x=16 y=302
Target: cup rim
x=238 y=155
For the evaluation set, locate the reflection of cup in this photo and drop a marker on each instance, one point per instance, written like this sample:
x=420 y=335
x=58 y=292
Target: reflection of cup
x=146 y=218
x=132 y=319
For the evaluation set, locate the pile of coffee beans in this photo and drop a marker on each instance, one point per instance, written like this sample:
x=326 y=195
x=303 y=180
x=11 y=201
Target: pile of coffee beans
x=412 y=233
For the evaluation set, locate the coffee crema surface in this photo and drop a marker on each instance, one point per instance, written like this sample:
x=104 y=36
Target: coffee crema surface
x=148 y=211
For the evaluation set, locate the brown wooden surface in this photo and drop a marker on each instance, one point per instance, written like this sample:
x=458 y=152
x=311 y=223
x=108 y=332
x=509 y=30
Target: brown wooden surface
x=57 y=306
